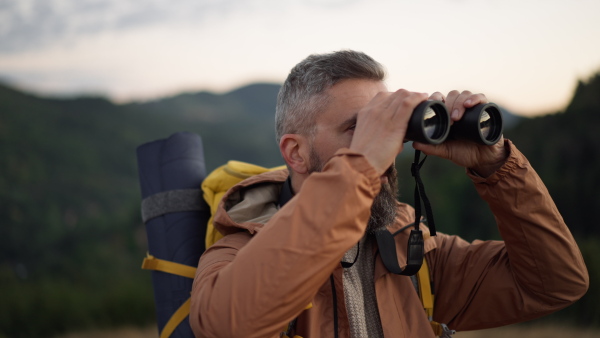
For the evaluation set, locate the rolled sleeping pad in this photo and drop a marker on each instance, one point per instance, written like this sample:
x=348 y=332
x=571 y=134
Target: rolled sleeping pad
x=171 y=172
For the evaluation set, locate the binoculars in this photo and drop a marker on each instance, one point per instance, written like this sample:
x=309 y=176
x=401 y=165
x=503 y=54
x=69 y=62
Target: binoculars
x=430 y=123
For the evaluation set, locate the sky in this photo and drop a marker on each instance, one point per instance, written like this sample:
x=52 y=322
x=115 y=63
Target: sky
x=525 y=55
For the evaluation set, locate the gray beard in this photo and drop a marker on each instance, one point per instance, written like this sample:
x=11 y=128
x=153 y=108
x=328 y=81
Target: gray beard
x=383 y=210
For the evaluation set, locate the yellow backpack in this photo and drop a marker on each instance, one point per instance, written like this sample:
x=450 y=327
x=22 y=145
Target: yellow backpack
x=217 y=183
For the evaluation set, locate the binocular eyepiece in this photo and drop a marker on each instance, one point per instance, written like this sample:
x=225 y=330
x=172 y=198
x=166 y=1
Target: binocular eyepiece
x=430 y=123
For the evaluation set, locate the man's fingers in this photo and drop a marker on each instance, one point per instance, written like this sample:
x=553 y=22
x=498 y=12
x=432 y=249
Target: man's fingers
x=457 y=106
x=439 y=150
x=437 y=96
x=457 y=102
x=406 y=102
x=381 y=126
x=382 y=99
x=474 y=100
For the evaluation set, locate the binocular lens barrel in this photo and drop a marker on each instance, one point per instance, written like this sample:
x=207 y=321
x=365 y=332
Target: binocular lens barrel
x=481 y=124
x=430 y=123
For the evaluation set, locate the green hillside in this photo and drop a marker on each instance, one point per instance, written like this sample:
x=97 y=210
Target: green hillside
x=565 y=150
x=71 y=238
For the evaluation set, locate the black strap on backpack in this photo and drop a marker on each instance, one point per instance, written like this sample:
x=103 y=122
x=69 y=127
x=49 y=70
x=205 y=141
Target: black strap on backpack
x=415 y=248
x=286 y=193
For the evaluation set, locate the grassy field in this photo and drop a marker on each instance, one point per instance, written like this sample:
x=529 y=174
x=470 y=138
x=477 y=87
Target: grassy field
x=127 y=332
x=513 y=331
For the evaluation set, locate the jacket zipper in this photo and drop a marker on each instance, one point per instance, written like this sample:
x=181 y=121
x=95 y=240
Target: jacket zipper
x=335 y=311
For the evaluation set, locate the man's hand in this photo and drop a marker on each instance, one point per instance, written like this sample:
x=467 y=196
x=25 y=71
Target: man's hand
x=482 y=159
x=381 y=126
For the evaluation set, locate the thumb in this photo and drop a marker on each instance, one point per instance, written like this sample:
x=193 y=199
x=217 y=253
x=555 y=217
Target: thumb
x=430 y=149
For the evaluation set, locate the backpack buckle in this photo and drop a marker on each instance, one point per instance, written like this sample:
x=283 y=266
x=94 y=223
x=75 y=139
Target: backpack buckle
x=446 y=332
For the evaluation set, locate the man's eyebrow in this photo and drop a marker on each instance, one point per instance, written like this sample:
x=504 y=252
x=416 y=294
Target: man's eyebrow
x=348 y=122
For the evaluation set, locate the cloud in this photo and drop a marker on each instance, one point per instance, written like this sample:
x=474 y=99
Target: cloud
x=35 y=24
x=27 y=25
x=135 y=49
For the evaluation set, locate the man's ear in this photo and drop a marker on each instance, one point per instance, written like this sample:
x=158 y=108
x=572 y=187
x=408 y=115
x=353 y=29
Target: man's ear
x=294 y=149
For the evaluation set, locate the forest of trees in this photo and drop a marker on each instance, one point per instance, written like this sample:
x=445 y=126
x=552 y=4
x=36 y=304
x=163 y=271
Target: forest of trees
x=71 y=236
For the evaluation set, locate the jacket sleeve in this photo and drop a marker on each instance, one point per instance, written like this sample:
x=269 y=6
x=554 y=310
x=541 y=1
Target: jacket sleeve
x=536 y=270
x=253 y=286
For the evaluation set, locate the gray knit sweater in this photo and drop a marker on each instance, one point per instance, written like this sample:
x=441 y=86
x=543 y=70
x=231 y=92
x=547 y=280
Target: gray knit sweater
x=359 y=291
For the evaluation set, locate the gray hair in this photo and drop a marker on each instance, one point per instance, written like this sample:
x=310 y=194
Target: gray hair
x=303 y=94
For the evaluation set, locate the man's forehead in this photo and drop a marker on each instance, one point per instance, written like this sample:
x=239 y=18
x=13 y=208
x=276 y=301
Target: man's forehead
x=347 y=97
x=356 y=85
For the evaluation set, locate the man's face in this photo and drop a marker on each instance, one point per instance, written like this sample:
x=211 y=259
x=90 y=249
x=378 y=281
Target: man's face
x=334 y=130
x=334 y=126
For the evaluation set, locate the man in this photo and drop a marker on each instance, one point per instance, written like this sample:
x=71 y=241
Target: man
x=339 y=131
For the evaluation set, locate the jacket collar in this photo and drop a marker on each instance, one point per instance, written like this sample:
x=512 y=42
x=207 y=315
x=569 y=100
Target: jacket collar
x=283 y=193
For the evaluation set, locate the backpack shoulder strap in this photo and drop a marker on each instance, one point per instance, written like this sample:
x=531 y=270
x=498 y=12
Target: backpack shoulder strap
x=427 y=293
x=425 y=289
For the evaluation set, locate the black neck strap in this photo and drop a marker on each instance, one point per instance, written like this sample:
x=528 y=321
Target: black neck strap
x=414 y=252
x=415 y=248
x=420 y=194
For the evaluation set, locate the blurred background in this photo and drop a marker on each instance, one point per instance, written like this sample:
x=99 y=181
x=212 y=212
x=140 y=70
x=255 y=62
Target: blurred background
x=84 y=82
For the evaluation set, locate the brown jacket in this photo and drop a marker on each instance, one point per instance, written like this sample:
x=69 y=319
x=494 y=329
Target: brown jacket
x=262 y=275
